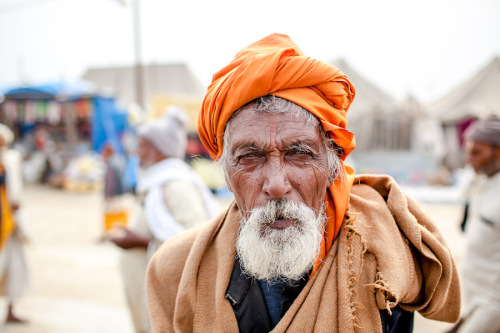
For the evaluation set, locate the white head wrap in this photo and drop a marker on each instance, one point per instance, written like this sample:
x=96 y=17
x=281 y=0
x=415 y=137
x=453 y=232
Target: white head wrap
x=169 y=133
x=7 y=134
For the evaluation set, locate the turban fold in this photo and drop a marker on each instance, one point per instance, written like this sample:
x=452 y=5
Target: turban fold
x=276 y=66
x=485 y=130
x=169 y=133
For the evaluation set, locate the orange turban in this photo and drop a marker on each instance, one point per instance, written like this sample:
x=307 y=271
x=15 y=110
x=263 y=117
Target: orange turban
x=276 y=66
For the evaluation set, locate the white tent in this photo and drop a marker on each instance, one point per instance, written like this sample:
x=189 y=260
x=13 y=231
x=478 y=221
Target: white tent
x=369 y=98
x=393 y=137
x=476 y=98
x=375 y=117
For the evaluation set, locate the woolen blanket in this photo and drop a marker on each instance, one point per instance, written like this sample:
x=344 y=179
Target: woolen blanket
x=388 y=252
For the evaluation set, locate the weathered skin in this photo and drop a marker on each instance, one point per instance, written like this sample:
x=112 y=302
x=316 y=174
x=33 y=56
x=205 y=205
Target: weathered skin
x=275 y=156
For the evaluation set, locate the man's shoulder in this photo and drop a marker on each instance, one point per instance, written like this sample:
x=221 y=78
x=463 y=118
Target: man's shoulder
x=374 y=187
x=167 y=265
x=380 y=195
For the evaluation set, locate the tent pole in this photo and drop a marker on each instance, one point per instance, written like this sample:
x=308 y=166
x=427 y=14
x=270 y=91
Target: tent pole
x=138 y=70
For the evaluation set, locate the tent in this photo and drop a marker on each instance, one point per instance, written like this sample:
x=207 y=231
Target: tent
x=368 y=115
x=475 y=98
x=388 y=138
x=369 y=97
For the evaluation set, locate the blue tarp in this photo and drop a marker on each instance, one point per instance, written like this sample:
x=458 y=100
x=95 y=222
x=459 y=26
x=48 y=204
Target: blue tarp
x=108 y=124
x=66 y=90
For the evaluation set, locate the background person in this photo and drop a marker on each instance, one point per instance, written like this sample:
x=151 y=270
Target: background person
x=115 y=204
x=14 y=275
x=481 y=267
x=174 y=199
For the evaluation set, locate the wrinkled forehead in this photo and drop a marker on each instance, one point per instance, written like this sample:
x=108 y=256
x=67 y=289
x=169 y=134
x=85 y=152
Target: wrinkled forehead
x=262 y=112
x=262 y=129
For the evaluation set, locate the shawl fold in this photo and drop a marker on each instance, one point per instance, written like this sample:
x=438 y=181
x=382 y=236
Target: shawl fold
x=388 y=253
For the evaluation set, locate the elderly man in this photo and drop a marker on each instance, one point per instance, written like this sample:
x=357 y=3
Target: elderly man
x=481 y=268
x=174 y=199
x=14 y=274
x=307 y=245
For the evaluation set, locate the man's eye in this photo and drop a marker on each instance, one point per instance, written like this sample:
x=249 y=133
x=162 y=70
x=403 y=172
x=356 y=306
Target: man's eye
x=248 y=156
x=300 y=152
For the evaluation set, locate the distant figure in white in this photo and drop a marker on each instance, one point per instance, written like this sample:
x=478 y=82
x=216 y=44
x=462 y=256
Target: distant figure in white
x=14 y=274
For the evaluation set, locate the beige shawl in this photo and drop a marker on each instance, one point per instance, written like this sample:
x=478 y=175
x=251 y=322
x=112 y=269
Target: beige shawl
x=388 y=252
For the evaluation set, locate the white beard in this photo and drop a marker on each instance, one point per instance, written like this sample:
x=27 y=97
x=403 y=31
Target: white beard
x=270 y=254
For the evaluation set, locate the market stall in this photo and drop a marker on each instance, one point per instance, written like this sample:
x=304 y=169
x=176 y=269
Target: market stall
x=58 y=122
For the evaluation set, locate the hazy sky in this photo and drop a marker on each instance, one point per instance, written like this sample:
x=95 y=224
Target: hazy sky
x=423 y=47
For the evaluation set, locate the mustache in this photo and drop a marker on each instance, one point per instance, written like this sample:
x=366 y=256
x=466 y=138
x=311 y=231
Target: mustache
x=276 y=209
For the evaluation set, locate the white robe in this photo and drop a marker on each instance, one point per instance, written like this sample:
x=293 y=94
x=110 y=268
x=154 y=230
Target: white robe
x=160 y=220
x=481 y=267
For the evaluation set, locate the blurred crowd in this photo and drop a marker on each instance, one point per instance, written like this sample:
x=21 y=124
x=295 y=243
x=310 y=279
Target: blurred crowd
x=150 y=193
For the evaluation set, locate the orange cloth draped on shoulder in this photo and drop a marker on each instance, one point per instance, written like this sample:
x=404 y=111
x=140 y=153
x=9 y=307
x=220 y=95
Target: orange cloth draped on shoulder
x=276 y=66
x=7 y=223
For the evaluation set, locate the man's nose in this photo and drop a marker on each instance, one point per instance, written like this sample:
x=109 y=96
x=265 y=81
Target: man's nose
x=276 y=183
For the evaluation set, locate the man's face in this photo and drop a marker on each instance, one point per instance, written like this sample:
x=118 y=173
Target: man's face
x=147 y=153
x=276 y=156
x=482 y=157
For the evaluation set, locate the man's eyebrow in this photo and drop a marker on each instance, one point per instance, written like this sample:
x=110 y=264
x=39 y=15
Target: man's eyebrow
x=246 y=147
x=301 y=145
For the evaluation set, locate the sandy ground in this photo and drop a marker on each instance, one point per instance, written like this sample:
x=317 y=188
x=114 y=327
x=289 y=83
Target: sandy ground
x=76 y=286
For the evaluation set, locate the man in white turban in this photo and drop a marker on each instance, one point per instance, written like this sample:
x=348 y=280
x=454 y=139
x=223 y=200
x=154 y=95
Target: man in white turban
x=173 y=198
x=13 y=266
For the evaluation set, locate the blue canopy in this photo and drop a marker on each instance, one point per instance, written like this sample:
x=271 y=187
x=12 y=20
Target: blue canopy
x=56 y=90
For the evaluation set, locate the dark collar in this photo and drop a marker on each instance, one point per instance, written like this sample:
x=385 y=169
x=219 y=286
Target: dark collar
x=248 y=304
x=245 y=295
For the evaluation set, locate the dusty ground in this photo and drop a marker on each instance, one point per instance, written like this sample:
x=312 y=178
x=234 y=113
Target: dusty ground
x=76 y=286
